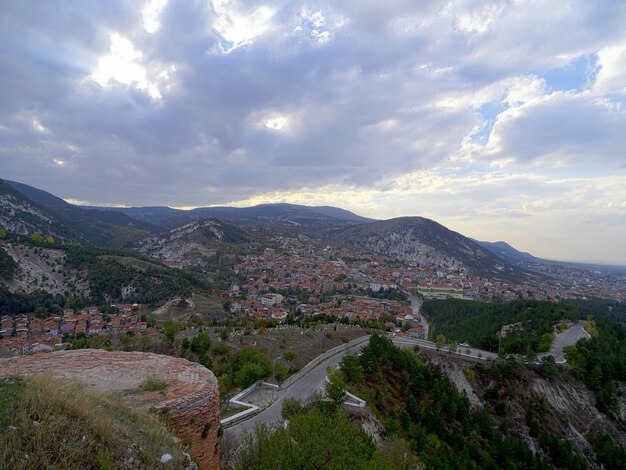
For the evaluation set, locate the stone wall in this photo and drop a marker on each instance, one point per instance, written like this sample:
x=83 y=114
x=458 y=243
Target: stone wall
x=191 y=399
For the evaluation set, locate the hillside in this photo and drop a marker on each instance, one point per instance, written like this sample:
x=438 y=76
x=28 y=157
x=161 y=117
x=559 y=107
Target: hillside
x=21 y=216
x=47 y=423
x=428 y=243
x=193 y=243
x=507 y=252
x=95 y=275
x=27 y=210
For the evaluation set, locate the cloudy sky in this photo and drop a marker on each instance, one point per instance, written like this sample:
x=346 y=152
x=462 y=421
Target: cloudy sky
x=502 y=120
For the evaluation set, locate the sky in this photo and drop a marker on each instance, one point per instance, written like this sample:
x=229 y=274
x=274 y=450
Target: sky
x=503 y=120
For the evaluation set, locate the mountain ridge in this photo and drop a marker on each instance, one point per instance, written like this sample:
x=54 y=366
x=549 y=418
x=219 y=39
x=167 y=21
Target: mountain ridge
x=276 y=214
x=70 y=222
x=426 y=242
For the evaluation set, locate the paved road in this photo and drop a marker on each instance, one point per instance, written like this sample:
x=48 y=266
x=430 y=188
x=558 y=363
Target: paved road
x=300 y=389
x=304 y=386
x=566 y=338
x=461 y=351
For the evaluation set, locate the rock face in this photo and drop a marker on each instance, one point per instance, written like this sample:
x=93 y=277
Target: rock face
x=193 y=243
x=427 y=243
x=190 y=400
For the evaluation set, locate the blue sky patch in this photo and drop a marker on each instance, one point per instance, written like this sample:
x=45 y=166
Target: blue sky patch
x=577 y=75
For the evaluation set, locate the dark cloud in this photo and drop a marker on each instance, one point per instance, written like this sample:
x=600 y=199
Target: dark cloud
x=369 y=92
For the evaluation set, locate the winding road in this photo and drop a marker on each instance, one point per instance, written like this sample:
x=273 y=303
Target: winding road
x=564 y=339
x=311 y=378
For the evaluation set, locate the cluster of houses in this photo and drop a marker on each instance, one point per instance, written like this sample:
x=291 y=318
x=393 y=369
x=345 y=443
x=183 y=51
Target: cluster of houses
x=321 y=271
x=26 y=334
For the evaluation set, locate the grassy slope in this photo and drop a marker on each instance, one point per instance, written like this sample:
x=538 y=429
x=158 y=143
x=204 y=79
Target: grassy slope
x=45 y=423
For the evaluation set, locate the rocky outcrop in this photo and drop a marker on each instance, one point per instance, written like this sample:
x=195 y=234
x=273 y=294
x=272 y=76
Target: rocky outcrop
x=193 y=243
x=190 y=400
x=43 y=269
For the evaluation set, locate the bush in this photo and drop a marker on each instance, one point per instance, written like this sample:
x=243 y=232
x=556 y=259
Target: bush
x=281 y=371
x=249 y=373
x=291 y=407
x=201 y=343
x=152 y=383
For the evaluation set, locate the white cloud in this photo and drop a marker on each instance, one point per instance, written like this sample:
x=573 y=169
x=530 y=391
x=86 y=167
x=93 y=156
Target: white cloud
x=237 y=26
x=151 y=15
x=478 y=20
x=124 y=64
x=36 y=123
x=276 y=123
x=611 y=76
x=441 y=109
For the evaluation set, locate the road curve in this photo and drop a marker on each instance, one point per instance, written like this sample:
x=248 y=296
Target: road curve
x=303 y=386
x=564 y=339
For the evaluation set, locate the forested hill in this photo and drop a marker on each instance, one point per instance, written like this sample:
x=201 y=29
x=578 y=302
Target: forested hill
x=51 y=274
x=27 y=211
x=420 y=419
x=478 y=323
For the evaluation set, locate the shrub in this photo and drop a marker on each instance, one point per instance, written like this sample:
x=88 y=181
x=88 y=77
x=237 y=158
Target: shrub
x=152 y=383
x=249 y=373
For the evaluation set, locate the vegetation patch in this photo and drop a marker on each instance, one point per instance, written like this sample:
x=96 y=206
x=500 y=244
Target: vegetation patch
x=7 y=264
x=47 y=423
x=530 y=322
x=152 y=383
x=600 y=361
x=417 y=403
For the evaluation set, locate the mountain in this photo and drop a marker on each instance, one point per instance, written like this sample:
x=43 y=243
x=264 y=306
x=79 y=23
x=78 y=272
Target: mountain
x=292 y=215
x=21 y=216
x=507 y=252
x=95 y=275
x=421 y=240
x=27 y=210
x=193 y=243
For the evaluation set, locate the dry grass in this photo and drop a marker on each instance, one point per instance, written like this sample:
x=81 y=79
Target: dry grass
x=46 y=423
x=308 y=344
x=152 y=383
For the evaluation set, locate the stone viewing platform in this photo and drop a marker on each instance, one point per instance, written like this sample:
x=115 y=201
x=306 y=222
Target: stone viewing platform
x=190 y=400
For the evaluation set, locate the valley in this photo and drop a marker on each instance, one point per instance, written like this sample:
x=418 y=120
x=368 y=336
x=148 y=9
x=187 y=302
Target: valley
x=264 y=293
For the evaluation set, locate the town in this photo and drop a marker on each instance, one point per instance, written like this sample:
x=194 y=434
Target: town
x=26 y=333
x=301 y=277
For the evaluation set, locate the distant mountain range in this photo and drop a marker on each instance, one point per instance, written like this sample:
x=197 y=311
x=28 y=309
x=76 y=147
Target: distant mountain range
x=507 y=252
x=27 y=210
x=264 y=214
x=165 y=232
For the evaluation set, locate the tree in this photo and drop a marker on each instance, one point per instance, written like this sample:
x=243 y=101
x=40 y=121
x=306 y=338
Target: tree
x=170 y=330
x=440 y=340
x=351 y=368
x=249 y=373
x=201 y=343
x=335 y=391
x=548 y=367
x=291 y=407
